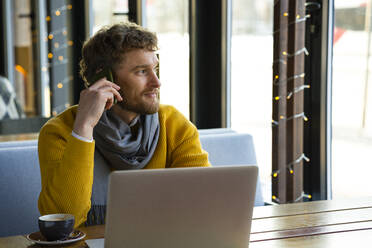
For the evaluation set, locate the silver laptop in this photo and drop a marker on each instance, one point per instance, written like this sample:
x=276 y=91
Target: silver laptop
x=207 y=207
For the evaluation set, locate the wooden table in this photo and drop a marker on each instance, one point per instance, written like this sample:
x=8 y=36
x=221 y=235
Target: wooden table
x=336 y=223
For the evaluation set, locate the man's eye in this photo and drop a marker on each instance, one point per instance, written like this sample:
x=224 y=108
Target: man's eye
x=142 y=71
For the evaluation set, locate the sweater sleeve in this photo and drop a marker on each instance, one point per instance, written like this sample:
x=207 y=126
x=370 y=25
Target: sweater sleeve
x=184 y=144
x=66 y=166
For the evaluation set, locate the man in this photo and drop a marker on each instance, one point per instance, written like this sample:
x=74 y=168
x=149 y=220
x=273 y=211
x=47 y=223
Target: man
x=79 y=147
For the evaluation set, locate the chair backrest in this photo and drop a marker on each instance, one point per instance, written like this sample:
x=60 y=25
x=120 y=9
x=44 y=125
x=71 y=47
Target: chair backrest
x=22 y=143
x=232 y=149
x=212 y=131
x=20 y=185
x=20 y=182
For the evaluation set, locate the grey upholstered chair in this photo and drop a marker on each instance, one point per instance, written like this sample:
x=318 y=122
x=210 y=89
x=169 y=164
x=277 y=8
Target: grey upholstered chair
x=20 y=182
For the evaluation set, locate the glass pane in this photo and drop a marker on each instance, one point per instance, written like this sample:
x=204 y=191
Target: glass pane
x=59 y=53
x=109 y=12
x=23 y=57
x=56 y=45
x=251 y=78
x=169 y=19
x=351 y=99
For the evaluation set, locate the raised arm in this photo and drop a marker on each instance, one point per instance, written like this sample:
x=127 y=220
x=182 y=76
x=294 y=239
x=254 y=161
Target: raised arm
x=66 y=163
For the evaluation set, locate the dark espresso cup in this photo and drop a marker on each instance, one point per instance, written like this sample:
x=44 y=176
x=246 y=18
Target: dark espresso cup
x=56 y=226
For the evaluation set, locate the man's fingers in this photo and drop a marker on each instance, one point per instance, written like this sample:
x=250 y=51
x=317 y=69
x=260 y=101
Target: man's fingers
x=110 y=99
x=115 y=92
x=102 y=83
x=117 y=95
x=107 y=88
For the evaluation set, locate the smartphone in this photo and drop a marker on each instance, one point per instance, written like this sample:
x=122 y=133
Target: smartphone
x=103 y=73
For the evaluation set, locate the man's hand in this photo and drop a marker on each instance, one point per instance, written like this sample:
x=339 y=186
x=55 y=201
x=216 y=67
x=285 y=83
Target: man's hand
x=93 y=101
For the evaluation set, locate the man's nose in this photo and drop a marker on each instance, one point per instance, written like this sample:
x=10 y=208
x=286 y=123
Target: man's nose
x=155 y=82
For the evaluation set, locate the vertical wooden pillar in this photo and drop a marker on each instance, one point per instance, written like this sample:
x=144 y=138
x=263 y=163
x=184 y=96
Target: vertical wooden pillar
x=295 y=104
x=288 y=100
x=279 y=103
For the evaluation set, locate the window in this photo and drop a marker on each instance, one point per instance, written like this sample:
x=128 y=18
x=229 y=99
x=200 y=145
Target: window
x=251 y=78
x=109 y=12
x=42 y=54
x=351 y=99
x=169 y=19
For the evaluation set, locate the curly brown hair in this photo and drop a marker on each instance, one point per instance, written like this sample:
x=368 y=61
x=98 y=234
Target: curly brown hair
x=107 y=48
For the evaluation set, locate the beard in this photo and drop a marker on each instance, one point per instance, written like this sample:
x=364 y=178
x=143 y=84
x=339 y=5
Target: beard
x=141 y=107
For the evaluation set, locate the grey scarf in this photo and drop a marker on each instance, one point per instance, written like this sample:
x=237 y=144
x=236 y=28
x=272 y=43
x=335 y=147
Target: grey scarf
x=123 y=149
x=117 y=147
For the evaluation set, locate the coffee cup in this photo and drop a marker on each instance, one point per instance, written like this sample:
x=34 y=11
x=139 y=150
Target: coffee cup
x=56 y=226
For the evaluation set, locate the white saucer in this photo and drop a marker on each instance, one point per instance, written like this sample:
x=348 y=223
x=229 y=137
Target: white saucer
x=38 y=238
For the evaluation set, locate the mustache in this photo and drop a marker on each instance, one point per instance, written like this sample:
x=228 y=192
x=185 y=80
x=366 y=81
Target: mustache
x=150 y=91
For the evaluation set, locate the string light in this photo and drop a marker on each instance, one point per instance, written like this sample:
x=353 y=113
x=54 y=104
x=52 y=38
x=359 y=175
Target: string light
x=279 y=61
x=303 y=195
x=298 y=116
x=58 y=47
x=59 y=11
x=59 y=31
x=59 y=108
x=290 y=94
x=299 y=159
x=302 y=50
x=297 y=89
x=62 y=36
x=64 y=81
x=275 y=174
x=57 y=63
x=299 y=20
x=289 y=166
x=281 y=80
x=277 y=81
x=308 y=196
x=301 y=115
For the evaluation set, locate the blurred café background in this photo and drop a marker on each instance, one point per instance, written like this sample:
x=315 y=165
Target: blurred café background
x=40 y=51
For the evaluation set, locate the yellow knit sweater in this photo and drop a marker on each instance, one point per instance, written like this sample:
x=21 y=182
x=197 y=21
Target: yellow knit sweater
x=66 y=163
